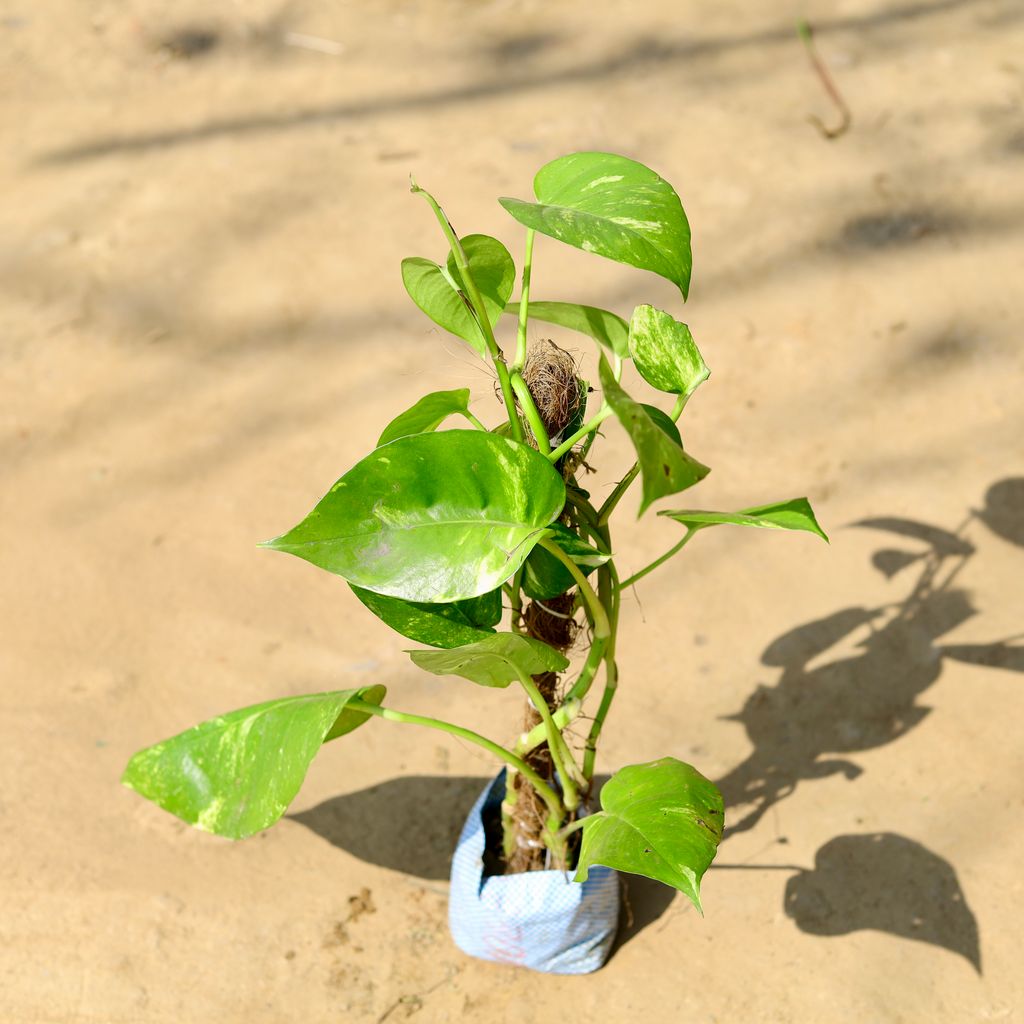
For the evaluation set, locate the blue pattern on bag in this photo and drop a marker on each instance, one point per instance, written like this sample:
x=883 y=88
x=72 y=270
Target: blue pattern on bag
x=541 y=919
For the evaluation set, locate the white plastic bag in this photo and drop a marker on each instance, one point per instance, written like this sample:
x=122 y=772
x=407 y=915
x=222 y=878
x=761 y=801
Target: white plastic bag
x=542 y=920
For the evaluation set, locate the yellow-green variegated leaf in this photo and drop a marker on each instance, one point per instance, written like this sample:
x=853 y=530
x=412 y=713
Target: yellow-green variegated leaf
x=237 y=773
x=665 y=353
x=613 y=206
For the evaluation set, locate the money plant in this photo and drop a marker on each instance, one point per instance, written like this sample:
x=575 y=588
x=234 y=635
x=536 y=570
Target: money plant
x=482 y=544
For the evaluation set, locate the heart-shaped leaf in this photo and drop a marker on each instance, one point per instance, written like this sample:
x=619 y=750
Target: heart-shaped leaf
x=544 y=576
x=427 y=414
x=236 y=774
x=795 y=514
x=612 y=206
x=432 y=517
x=604 y=327
x=495 y=661
x=664 y=352
x=662 y=820
x=441 y=293
x=664 y=467
x=439 y=625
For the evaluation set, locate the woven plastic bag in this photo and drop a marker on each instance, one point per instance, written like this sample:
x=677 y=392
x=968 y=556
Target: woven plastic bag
x=542 y=920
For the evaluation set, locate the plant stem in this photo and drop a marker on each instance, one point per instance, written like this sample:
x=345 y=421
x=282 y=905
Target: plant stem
x=529 y=407
x=561 y=756
x=472 y=419
x=547 y=794
x=602 y=628
x=575 y=826
x=477 y=303
x=565 y=713
x=654 y=565
x=608 y=589
x=616 y=496
x=591 y=425
x=524 y=303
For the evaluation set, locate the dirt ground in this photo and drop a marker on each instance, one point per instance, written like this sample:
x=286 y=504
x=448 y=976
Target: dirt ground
x=203 y=326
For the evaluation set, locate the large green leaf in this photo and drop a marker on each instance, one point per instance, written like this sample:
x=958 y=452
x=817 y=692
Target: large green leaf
x=664 y=467
x=427 y=414
x=439 y=625
x=493 y=661
x=607 y=328
x=432 y=517
x=662 y=819
x=544 y=576
x=236 y=774
x=795 y=514
x=612 y=206
x=441 y=293
x=664 y=352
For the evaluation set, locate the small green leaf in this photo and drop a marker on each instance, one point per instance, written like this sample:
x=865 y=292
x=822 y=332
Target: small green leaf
x=493 y=270
x=662 y=820
x=440 y=291
x=664 y=352
x=604 y=327
x=545 y=576
x=795 y=514
x=612 y=206
x=493 y=661
x=427 y=414
x=432 y=517
x=665 y=468
x=439 y=625
x=236 y=774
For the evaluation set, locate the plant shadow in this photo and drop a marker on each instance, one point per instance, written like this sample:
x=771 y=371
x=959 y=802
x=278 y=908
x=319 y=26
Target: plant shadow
x=888 y=883
x=851 y=680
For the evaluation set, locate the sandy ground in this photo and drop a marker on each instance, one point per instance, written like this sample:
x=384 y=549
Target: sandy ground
x=203 y=326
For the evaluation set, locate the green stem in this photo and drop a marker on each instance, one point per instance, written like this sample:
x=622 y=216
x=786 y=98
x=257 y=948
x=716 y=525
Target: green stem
x=524 y=303
x=654 y=565
x=561 y=756
x=599 y=617
x=677 y=409
x=508 y=808
x=616 y=496
x=602 y=628
x=589 y=427
x=608 y=590
x=529 y=407
x=516 y=600
x=472 y=419
x=565 y=713
x=574 y=826
x=477 y=302
x=546 y=793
